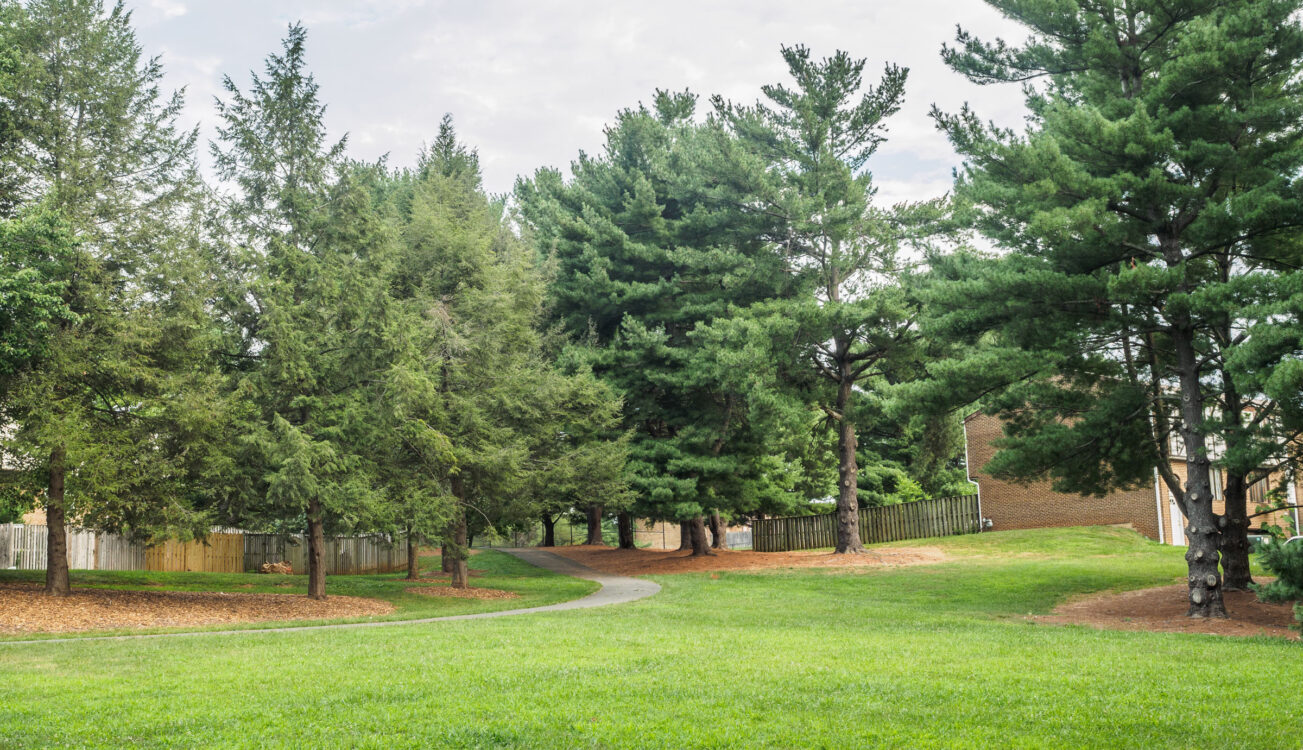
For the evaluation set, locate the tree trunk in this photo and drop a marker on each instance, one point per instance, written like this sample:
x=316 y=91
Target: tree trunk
x=594 y=525
x=1203 y=530
x=413 y=558
x=459 y=571
x=445 y=554
x=549 y=531
x=718 y=531
x=1234 y=542
x=624 y=524
x=1234 y=523
x=848 y=499
x=700 y=545
x=56 y=549
x=316 y=551
x=685 y=536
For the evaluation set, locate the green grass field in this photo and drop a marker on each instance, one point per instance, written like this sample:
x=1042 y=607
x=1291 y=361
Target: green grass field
x=930 y=656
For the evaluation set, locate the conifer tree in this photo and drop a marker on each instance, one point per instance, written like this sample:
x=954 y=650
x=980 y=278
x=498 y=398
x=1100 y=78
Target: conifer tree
x=647 y=244
x=1145 y=201
x=114 y=411
x=520 y=433
x=306 y=304
x=854 y=320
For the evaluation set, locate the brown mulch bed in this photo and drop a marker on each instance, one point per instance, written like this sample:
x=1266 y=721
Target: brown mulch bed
x=466 y=593
x=649 y=562
x=1162 y=609
x=24 y=608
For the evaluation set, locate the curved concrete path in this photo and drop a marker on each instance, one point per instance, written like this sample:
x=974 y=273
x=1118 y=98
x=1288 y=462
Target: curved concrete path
x=615 y=590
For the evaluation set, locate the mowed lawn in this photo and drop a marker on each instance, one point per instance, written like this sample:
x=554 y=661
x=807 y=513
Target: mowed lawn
x=928 y=656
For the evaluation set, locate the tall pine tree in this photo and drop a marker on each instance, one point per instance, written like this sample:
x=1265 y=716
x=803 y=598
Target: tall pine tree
x=1145 y=201
x=854 y=322
x=647 y=245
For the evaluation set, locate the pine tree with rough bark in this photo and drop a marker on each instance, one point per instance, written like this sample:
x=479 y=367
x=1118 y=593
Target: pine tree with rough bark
x=1142 y=209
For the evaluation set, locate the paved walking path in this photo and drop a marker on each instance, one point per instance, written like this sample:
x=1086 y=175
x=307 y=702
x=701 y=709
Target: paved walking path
x=615 y=590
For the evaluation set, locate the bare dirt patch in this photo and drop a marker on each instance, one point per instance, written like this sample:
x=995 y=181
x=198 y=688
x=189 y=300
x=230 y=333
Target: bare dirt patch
x=467 y=593
x=650 y=562
x=1162 y=609
x=24 y=608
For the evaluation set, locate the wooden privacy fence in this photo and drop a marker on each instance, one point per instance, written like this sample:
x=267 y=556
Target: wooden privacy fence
x=943 y=516
x=223 y=553
x=344 y=555
x=25 y=546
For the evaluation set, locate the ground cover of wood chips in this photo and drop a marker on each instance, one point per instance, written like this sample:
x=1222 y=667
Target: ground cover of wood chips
x=655 y=562
x=1162 y=609
x=24 y=608
x=470 y=592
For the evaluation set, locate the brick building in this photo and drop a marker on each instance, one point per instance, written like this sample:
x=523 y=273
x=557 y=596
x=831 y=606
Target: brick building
x=1150 y=509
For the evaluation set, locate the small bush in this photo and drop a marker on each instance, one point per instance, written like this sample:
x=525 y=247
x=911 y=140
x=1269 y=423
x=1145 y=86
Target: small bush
x=1285 y=561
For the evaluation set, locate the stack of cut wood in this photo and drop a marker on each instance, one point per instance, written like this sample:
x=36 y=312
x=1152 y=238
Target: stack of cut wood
x=283 y=567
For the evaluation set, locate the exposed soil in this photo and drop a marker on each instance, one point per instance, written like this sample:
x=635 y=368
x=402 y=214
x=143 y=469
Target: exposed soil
x=649 y=562
x=469 y=592
x=1162 y=609
x=24 y=608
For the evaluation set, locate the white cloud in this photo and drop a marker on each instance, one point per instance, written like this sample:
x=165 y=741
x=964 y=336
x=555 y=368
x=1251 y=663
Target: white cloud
x=168 y=8
x=531 y=83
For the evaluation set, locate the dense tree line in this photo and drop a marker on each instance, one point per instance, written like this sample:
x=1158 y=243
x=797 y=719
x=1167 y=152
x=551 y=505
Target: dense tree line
x=311 y=344
x=711 y=319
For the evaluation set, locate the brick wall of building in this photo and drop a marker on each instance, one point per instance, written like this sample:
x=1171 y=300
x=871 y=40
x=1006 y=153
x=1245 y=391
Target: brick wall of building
x=1278 y=518
x=1033 y=506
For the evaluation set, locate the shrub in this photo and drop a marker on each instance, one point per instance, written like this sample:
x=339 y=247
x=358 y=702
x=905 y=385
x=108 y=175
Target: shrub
x=1285 y=561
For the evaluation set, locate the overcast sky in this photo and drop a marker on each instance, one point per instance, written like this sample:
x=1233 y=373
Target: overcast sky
x=530 y=84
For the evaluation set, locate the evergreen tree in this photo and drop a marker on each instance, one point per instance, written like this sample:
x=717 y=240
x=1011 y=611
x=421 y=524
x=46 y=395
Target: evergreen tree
x=521 y=434
x=1140 y=211
x=306 y=305
x=855 y=324
x=113 y=400
x=647 y=244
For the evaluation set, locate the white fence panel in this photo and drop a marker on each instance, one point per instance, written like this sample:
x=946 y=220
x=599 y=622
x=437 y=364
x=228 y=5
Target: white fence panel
x=22 y=546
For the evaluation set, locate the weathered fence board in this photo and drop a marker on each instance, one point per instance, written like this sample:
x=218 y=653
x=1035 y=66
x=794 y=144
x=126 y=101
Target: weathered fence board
x=24 y=547
x=944 y=516
x=375 y=553
x=115 y=552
